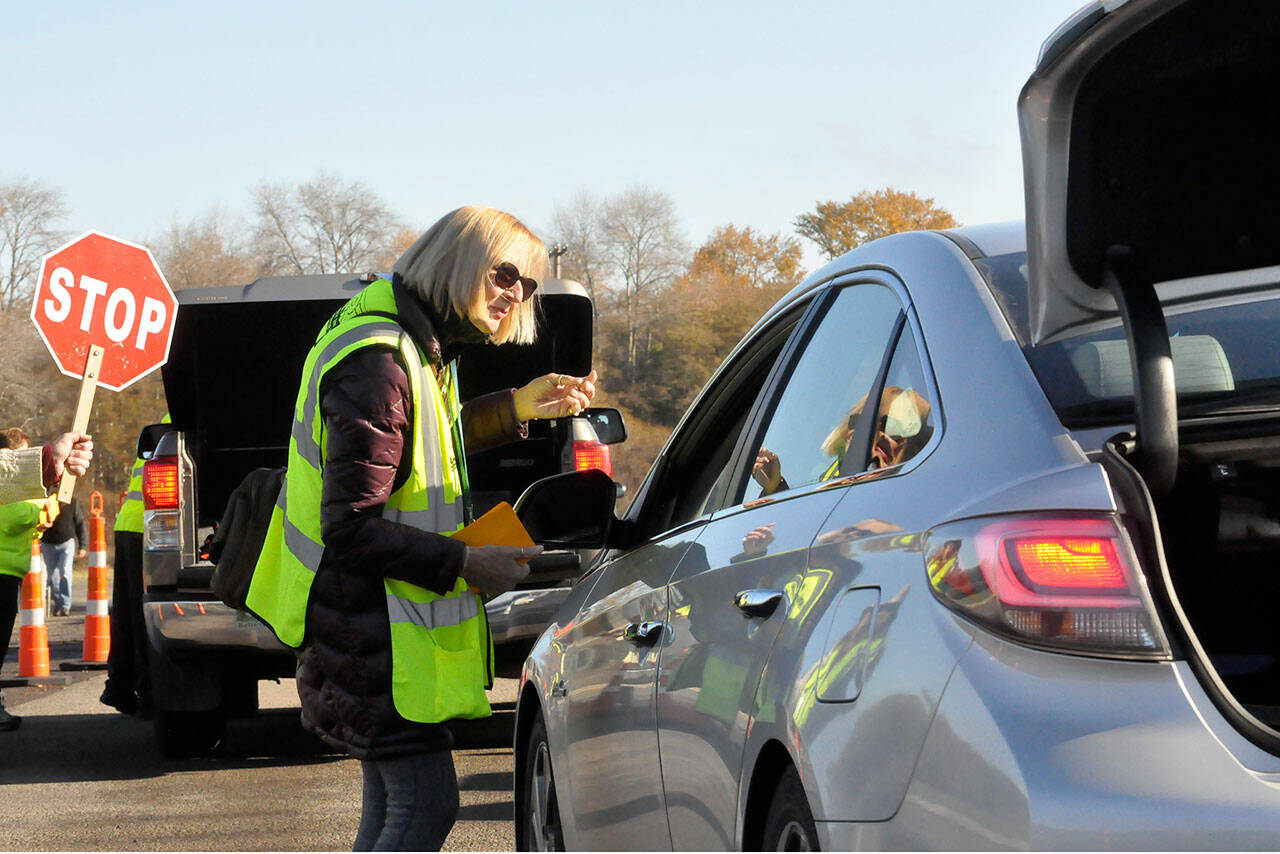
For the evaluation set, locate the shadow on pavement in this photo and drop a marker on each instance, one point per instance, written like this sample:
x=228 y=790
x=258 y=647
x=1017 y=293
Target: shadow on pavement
x=77 y=748
x=496 y=811
x=494 y=731
x=497 y=781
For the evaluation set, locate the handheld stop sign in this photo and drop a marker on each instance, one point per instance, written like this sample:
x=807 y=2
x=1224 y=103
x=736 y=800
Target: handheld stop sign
x=106 y=314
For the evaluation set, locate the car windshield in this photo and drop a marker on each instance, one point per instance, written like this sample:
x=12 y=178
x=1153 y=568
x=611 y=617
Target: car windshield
x=1225 y=359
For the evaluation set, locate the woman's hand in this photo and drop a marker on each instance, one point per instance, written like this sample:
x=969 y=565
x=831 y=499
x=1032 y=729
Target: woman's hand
x=767 y=471
x=497 y=569
x=555 y=396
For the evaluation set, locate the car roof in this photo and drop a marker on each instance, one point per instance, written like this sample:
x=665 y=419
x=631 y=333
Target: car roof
x=995 y=238
x=999 y=238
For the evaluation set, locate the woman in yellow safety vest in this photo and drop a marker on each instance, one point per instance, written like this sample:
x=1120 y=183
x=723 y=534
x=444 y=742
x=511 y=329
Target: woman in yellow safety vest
x=358 y=571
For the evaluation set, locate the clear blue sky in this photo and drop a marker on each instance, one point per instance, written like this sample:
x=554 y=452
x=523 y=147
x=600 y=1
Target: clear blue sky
x=742 y=112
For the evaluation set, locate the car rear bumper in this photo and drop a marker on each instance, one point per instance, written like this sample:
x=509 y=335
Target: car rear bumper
x=191 y=625
x=1045 y=751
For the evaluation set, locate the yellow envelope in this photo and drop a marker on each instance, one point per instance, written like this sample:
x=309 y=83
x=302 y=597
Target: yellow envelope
x=499 y=527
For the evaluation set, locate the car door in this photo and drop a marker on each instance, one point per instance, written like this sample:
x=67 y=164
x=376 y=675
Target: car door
x=611 y=770
x=861 y=688
x=748 y=572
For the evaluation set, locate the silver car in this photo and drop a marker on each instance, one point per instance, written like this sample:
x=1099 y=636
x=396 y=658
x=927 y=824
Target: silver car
x=972 y=542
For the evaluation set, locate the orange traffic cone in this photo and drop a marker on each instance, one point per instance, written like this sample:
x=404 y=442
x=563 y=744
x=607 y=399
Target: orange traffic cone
x=97 y=621
x=33 y=637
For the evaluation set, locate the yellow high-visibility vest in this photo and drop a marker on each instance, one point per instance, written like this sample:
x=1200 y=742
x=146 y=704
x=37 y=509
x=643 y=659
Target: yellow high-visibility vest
x=441 y=654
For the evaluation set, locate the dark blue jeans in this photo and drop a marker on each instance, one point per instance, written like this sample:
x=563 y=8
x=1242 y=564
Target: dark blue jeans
x=410 y=803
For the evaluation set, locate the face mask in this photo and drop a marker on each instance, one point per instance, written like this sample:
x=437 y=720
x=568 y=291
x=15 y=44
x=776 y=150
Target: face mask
x=903 y=418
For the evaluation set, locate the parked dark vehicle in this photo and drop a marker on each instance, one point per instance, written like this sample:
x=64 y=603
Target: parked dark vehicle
x=231 y=382
x=971 y=543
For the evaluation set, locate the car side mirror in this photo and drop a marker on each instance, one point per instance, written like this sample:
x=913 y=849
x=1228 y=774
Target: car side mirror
x=609 y=426
x=570 y=510
x=150 y=437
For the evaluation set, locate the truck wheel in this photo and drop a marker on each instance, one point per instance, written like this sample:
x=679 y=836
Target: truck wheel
x=183 y=735
x=790 y=826
x=538 y=811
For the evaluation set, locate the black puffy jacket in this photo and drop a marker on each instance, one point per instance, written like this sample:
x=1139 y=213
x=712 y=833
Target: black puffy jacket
x=344 y=668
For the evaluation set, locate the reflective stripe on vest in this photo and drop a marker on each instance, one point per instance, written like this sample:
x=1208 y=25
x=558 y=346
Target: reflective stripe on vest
x=429 y=500
x=449 y=611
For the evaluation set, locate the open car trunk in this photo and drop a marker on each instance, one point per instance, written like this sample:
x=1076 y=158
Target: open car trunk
x=231 y=381
x=1148 y=132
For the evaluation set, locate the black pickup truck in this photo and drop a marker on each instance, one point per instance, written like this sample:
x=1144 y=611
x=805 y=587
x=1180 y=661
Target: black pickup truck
x=230 y=384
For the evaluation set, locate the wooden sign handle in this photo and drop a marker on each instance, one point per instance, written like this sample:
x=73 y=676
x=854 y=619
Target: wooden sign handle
x=88 y=386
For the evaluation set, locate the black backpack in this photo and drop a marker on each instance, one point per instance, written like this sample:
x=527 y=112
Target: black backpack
x=241 y=531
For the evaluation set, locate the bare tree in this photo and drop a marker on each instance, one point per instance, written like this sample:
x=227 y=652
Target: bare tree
x=321 y=226
x=396 y=246
x=24 y=354
x=206 y=250
x=642 y=241
x=579 y=225
x=28 y=210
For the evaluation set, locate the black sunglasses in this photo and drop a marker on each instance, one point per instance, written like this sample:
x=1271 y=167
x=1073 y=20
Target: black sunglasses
x=505 y=276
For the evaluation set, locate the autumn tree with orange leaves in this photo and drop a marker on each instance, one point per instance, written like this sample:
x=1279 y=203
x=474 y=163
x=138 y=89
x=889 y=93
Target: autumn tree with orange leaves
x=731 y=281
x=837 y=227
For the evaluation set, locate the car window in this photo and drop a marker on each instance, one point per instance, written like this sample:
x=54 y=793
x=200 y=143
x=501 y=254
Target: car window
x=1223 y=355
x=825 y=393
x=693 y=474
x=906 y=418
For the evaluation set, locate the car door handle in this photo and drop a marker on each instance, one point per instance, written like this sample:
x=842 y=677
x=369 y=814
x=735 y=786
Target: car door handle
x=758 y=602
x=645 y=633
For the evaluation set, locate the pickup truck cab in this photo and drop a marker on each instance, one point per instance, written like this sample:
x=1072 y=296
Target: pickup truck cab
x=230 y=383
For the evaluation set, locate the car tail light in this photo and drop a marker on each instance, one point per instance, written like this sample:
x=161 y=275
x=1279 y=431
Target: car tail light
x=592 y=455
x=160 y=498
x=1067 y=583
x=160 y=483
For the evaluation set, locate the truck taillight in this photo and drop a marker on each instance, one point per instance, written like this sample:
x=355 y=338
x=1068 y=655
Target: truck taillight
x=592 y=455
x=160 y=483
x=1067 y=583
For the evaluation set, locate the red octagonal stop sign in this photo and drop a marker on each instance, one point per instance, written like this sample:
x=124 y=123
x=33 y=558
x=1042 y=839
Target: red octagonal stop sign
x=105 y=291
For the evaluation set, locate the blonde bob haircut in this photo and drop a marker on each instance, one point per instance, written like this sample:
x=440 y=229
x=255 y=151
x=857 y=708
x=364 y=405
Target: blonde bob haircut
x=448 y=267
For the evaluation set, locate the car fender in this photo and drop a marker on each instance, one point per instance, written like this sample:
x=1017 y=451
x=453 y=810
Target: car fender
x=541 y=689
x=821 y=738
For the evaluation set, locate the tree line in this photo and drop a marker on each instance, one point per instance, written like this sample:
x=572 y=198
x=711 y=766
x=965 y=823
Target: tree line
x=667 y=311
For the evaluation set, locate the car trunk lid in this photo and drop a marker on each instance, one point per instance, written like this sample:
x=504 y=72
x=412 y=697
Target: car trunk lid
x=1150 y=125
x=1146 y=132
x=232 y=375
